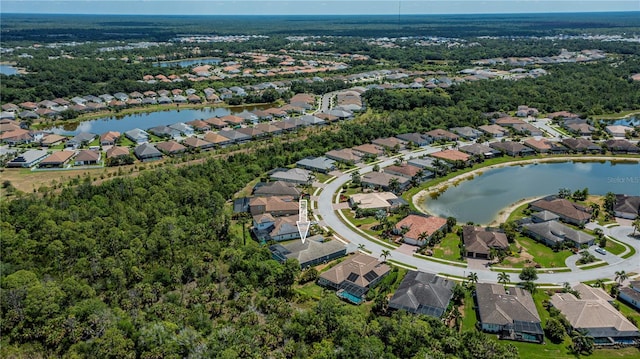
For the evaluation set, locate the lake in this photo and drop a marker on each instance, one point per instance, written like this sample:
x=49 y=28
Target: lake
x=147 y=120
x=480 y=199
x=8 y=70
x=189 y=63
x=629 y=121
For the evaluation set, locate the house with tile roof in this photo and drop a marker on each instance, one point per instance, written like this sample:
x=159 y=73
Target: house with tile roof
x=594 y=313
x=478 y=242
x=581 y=145
x=274 y=205
x=137 y=135
x=451 y=155
x=626 y=206
x=418 y=229
x=440 y=135
x=293 y=175
x=511 y=313
x=477 y=149
x=353 y=277
x=512 y=148
x=631 y=294
x=198 y=143
x=109 y=138
x=568 y=211
x=383 y=181
x=277 y=188
x=494 y=130
x=544 y=145
x=217 y=139
x=315 y=250
x=423 y=293
x=171 y=147
x=390 y=143
x=345 y=155
x=87 y=158
x=621 y=146
x=57 y=159
x=554 y=233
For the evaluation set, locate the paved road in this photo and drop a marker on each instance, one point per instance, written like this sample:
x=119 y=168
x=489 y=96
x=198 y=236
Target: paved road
x=330 y=218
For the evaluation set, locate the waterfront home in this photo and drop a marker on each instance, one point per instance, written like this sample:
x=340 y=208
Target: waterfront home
x=554 y=233
x=581 y=145
x=109 y=138
x=568 y=211
x=479 y=150
x=511 y=313
x=376 y=200
x=626 y=206
x=512 y=148
x=544 y=145
x=621 y=146
x=137 y=135
x=383 y=181
x=418 y=229
x=423 y=293
x=451 y=156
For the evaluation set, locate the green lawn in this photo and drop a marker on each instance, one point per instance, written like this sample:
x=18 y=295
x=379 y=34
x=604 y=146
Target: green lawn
x=628 y=310
x=469 y=318
x=614 y=247
x=311 y=290
x=125 y=142
x=321 y=177
x=542 y=255
x=448 y=249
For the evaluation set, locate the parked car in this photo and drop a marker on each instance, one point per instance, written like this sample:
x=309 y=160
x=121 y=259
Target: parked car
x=600 y=250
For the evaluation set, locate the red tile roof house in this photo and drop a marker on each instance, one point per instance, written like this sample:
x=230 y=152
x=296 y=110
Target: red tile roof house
x=567 y=211
x=276 y=206
x=216 y=122
x=512 y=148
x=390 y=143
x=545 y=146
x=419 y=229
x=406 y=171
x=171 y=147
x=451 y=155
x=496 y=131
x=440 y=134
x=196 y=143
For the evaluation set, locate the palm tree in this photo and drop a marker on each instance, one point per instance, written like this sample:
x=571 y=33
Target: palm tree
x=361 y=247
x=621 y=276
x=504 y=278
x=595 y=210
x=423 y=236
x=636 y=225
x=473 y=277
x=385 y=253
x=581 y=342
x=394 y=185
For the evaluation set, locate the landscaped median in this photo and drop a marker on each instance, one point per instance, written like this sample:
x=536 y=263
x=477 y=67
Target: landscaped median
x=444 y=261
x=343 y=218
x=593 y=265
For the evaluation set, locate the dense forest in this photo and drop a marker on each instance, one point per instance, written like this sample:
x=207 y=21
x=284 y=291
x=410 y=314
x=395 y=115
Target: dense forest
x=152 y=267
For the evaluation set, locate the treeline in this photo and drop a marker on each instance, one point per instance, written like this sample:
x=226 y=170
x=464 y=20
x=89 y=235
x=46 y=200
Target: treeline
x=588 y=89
x=151 y=267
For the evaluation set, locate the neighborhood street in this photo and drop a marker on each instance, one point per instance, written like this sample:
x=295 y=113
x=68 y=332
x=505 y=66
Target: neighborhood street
x=330 y=218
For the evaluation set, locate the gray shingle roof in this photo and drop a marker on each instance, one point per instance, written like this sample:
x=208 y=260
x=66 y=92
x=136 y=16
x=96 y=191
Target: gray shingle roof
x=423 y=293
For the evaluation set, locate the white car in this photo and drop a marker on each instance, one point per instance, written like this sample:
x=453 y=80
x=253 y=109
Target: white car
x=600 y=250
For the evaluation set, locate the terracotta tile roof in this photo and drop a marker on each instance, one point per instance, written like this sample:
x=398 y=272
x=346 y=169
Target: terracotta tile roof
x=419 y=224
x=117 y=151
x=451 y=155
x=58 y=157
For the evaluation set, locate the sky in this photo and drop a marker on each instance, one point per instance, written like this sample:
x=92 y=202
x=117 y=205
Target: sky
x=312 y=7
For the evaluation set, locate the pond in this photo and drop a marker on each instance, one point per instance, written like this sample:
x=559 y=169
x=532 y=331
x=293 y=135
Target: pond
x=147 y=120
x=189 y=63
x=628 y=121
x=8 y=70
x=480 y=199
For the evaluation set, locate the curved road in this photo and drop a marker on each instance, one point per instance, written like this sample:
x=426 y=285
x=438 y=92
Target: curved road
x=331 y=219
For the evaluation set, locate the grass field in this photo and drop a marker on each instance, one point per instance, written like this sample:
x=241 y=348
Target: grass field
x=539 y=253
x=448 y=249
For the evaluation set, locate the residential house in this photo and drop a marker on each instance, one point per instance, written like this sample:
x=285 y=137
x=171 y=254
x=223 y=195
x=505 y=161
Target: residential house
x=235 y=136
x=267 y=228
x=310 y=120
x=28 y=159
x=544 y=145
x=519 y=125
x=117 y=151
x=345 y=155
x=428 y=163
x=251 y=132
x=183 y=128
x=274 y=205
x=451 y=156
x=415 y=138
x=197 y=143
x=594 y=313
x=121 y=96
x=568 y=211
x=16 y=137
x=544 y=216
x=468 y=133
x=268 y=128
x=199 y=125
x=621 y=146
x=512 y=148
x=81 y=139
x=109 y=138
x=496 y=131
x=440 y=135
x=165 y=132
x=524 y=111
x=216 y=122
x=137 y=135
x=554 y=233
x=376 y=200
x=384 y=180
x=511 y=313
x=480 y=151
x=232 y=120
x=631 y=294
x=293 y=175
x=423 y=293
x=581 y=145
x=217 y=139
x=313 y=251
x=390 y=143
x=418 y=229
x=626 y=206
x=87 y=158
x=406 y=171
x=57 y=159
x=147 y=152
x=479 y=242
x=171 y=147
x=354 y=277
x=277 y=188
x=317 y=164
x=618 y=130
x=52 y=140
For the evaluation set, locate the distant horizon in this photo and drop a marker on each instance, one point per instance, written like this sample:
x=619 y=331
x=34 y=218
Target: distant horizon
x=313 y=7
